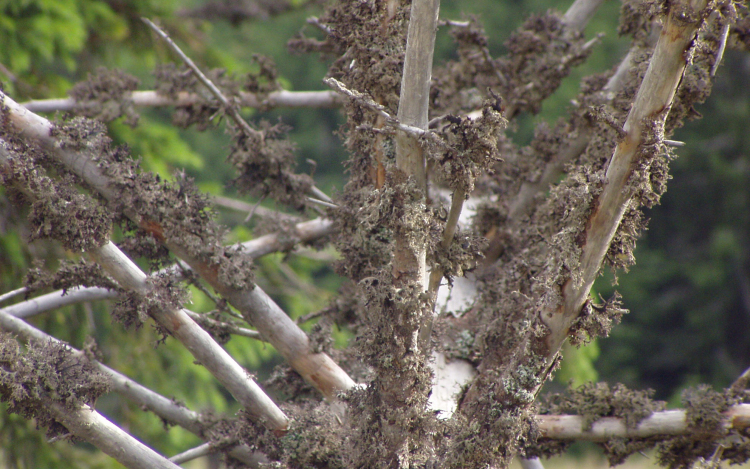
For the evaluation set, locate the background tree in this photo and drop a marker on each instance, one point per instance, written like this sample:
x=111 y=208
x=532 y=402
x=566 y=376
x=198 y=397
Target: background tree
x=543 y=249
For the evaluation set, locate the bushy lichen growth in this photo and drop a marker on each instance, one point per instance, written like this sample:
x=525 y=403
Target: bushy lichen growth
x=69 y=274
x=46 y=374
x=105 y=95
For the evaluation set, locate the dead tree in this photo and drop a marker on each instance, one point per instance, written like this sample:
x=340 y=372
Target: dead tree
x=544 y=221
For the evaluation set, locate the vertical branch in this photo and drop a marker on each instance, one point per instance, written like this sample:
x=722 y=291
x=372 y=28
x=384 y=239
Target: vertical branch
x=410 y=261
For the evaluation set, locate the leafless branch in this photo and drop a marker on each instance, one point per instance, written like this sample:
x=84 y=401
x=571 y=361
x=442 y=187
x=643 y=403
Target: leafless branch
x=654 y=97
x=257 y=307
x=230 y=108
x=193 y=453
x=12 y=294
x=282 y=98
x=89 y=425
x=669 y=422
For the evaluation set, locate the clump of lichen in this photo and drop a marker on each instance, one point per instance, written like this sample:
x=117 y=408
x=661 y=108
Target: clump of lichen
x=58 y=210
x=264 y=161
x=596 y=320
x=706 y=430
x=47 y=374
x=175 y=213
x=105 y=95
x=471 y=148
x=69 y=274
x=165 y=293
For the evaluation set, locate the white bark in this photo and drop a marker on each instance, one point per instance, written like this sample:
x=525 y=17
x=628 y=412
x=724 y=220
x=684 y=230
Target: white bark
x=669 y=422
x=282 y=98
x=89 y=425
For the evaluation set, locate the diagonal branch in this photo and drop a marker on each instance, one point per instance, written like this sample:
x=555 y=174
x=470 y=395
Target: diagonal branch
x=255 y=305
x=193 y=337
x=165 y=408
x=649 y=112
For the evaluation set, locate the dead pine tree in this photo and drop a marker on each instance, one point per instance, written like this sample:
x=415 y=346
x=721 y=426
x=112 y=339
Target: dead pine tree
x=439 y=199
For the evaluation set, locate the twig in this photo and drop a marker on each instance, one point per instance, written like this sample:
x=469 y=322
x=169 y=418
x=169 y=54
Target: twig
x=313 y=20
x=194 y=453
x=12 y=293
x=230 y=108
x=368 y=102
x=225 y=326
x=322 y=202
x=722 y=48
x=457 y=203
x=58 y=299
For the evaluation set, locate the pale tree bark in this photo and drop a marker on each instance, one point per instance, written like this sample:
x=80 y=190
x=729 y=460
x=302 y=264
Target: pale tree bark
x=257 y=307
x=283 y=98
x=645 y=121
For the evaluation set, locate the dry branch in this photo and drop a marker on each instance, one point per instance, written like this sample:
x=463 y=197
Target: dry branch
x=89 y=425
x=257 y=307
x=198 y=341
x=666 y=423
x=283 y=98
x=193 y=337
x=165 y=408
x=650 y=109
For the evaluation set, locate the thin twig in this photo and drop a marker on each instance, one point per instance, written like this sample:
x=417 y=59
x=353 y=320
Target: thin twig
x=194 y=453
x=224 y=326
x=313 y=20
x=12 y=293
x=322 y=202
x=722 y=48
x=229 y=107
x=367 y=101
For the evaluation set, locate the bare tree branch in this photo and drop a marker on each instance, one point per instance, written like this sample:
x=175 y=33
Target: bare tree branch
x=193 y=453
x=89 y=425
x=165 y=408
x=282 y=98
x=192 y=336
x=669 y=422
x=257 y=307
x=650 y=107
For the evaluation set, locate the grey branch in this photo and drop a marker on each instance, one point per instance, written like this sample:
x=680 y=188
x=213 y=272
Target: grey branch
x=256 y=307
x=653 y=98
x=230 y=108
x=147 y=98
x=669 y=422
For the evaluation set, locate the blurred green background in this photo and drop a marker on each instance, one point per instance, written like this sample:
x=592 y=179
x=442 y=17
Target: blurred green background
x=689 y=293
